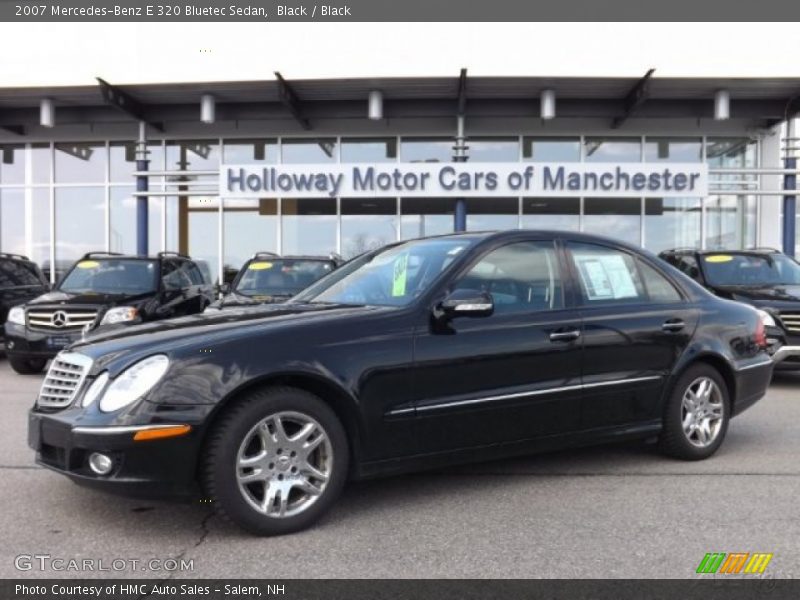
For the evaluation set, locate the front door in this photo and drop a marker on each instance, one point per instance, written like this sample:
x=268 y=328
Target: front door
x=636 y=324
x=510 y=376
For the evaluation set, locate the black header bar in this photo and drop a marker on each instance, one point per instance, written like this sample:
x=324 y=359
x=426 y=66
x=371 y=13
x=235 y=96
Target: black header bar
x=400 y=11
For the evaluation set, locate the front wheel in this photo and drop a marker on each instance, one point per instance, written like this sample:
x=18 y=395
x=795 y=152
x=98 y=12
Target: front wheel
x=276 y=461
x=697 y=414
x=27 y=366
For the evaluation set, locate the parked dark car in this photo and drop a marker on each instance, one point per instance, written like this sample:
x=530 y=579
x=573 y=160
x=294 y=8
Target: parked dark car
x=20 y=281
x=268 y=278
x=764 y=278
x=418 y=355
x=103 y=290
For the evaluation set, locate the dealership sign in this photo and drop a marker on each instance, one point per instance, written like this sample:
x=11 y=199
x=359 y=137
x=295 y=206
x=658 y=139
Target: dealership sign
x=460 y=180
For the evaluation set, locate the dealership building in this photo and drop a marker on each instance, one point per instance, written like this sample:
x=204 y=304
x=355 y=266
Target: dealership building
x=343 y=165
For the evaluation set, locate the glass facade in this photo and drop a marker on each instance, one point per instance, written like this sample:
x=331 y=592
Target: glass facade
x=59 y=200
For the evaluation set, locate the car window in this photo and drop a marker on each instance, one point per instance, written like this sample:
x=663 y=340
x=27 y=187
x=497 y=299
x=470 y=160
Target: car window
x=606 y=275
x=126 y=276
x=659 y=289
x=194 y=273
x=688 y=264
x=173 y=276
x=280 y=276
x=14 y=273
x=520 y=277
x=751 y=270
x=393 y=276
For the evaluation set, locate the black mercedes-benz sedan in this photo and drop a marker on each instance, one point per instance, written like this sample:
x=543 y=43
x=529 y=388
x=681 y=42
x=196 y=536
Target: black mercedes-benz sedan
x=421 y=354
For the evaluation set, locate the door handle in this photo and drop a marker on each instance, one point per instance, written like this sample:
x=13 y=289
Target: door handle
x=565 y=336
x=673 y=325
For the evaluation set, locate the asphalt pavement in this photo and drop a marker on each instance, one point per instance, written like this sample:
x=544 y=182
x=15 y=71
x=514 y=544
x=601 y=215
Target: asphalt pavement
x=613 y=511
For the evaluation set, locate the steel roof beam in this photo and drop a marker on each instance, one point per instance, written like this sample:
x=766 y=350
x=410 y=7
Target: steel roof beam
x=462 y=92
x=635 y=98
x=289 y=99
x=125 y=103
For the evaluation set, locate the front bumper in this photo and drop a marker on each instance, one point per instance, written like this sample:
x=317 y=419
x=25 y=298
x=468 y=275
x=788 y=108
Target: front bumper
x=64 y=440
x=26 y=343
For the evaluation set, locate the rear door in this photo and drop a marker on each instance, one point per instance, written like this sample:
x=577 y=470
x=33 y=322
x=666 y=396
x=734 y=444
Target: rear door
x=636 y=323
x=514 y=375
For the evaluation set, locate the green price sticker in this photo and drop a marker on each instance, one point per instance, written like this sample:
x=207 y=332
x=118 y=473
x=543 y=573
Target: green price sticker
x=400 y=275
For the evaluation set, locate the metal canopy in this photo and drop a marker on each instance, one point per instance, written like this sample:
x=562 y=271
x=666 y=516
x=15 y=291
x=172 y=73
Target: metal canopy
x=635 y=98
x=766 y=100
x=289 y=99
x=125 y=103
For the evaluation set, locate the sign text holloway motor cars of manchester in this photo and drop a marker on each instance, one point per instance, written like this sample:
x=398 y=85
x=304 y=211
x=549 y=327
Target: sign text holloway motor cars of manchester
x=465 y=180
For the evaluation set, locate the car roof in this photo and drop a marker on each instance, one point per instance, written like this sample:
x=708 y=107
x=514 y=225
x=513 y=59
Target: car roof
x=746 y=251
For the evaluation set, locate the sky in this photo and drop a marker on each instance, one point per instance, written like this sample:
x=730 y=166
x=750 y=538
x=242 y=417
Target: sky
x=74 y=53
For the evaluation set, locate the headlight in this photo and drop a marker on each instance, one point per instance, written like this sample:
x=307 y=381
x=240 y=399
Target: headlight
x=94 y=390
x=134 y=382
x=119 y=314
x=17 y=315
x=766 y=318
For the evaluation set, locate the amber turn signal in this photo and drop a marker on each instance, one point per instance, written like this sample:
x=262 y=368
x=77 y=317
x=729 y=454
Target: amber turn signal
x=161 y=433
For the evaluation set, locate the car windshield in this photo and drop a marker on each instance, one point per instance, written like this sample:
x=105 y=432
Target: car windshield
x=391 y=277
x=280 y=276
x=17 y=274
x=111 y=276
x=751 y=270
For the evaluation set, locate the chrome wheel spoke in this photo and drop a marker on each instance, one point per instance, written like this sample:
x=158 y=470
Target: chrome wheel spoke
x=292 y=455
x=702 y=411
x=251 y=477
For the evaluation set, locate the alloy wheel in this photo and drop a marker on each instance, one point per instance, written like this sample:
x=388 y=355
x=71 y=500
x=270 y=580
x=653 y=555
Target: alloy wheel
x=284 y=464
x=702 y=412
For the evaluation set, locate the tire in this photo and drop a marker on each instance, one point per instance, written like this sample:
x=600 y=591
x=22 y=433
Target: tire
x=27 y=366
x=281 y=491
x=696 y=434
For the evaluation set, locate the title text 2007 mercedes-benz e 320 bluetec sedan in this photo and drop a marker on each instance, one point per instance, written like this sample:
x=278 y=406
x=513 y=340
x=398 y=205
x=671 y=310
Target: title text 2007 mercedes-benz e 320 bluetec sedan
x=414 y=356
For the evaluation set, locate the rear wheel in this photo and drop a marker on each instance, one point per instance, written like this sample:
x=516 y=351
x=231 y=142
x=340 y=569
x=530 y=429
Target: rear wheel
x=276 y=461
x=27 y=366
x=697 y=414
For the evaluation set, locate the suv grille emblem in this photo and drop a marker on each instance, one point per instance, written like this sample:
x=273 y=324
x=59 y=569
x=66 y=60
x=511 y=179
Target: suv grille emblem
x=59 y=318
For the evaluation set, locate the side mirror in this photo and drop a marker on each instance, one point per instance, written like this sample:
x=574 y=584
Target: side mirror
x=465 y=303
x=224 y=288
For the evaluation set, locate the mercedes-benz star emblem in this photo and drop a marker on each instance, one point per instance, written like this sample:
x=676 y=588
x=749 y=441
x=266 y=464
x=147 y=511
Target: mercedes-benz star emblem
x=59 y=318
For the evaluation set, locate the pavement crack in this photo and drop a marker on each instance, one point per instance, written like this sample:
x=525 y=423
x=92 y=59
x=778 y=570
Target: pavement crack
x=204 y=531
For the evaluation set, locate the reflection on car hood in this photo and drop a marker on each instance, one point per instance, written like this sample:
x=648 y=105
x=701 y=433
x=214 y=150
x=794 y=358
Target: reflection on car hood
x=234 y=299
x=212 y=324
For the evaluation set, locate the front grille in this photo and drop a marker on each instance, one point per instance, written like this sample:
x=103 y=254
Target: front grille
x=791 y=321
x=60 y=319
x=63 y=380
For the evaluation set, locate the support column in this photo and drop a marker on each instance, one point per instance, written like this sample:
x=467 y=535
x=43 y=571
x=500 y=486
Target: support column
x=789 y=207
x=142 y=183
x=460 y=155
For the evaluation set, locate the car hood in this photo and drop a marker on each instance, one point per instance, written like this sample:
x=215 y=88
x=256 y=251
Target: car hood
x=59 y=297
x=759 y=295
x=213 y=326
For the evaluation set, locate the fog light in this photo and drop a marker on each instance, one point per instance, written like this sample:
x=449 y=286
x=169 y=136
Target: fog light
x=10 y=344
x=100 y=463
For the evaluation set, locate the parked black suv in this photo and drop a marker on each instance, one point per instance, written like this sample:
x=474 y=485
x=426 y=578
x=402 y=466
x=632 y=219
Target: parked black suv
x=268 y=278
x=418 y=355
x=103 y=289
x=21 y=280
x=762 y=277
